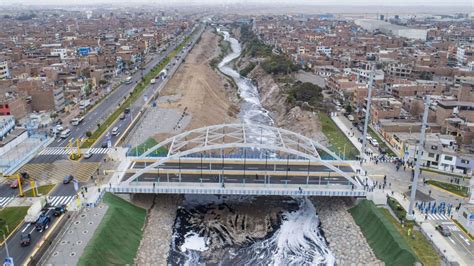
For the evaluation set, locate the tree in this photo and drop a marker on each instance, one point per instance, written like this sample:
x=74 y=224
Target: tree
x=89 y=134
x=349 y=108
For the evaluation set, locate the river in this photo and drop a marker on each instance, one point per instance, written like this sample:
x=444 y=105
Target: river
x=238 y=230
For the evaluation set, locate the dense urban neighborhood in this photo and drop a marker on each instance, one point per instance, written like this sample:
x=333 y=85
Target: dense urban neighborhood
x=239 y=132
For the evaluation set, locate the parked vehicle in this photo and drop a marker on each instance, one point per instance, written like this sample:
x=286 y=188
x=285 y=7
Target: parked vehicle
x=152 y=81
x=25 y=239
x=104 y=144
x=67 y=179
x=59 y=210
x=128 y=80
x=65 y=133
x=42 y=223
x=35 y=211
x=382 y=150
x=84 y=104
x=350 y=117
x=122 y=116
x=127 y=110
x=443 y=230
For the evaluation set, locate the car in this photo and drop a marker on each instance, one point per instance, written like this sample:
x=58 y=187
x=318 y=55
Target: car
x=360 y=127
x=25 y=239
x=443 y=230
x=374 y=142
x=122 y=116
x=67 y=179
x=42 y=223
x=24 y=175
x=59 y=128
x=127 y=110
x=104 y=144
x=115 y=131
x=14 y=183
x=382 y=150
x=58 y=210
x=87 y=155
x=350 y=117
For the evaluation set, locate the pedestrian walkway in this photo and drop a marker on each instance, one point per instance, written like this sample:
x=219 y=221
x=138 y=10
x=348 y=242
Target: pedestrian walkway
x=438 y=217
x=61 y=151
x=4 y=201
x=59 y=200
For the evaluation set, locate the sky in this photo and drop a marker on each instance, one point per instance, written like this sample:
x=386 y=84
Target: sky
x=468 y=3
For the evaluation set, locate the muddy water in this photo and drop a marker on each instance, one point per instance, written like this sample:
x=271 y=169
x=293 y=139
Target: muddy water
x=239 y=230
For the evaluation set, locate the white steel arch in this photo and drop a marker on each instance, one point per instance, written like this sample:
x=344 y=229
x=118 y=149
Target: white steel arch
x=240 y=136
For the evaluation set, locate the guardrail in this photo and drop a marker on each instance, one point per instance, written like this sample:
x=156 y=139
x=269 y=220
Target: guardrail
x=239 y=189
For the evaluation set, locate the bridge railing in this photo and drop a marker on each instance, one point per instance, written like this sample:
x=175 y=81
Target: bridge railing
x=238 y=189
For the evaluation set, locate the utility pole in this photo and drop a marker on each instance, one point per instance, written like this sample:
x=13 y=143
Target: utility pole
x=410 y=215
x=367 y=112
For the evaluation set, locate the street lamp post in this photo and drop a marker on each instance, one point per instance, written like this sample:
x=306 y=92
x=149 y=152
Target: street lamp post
x=410 y=214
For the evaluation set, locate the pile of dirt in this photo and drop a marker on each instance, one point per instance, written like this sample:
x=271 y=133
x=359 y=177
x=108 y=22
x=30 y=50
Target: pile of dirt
x=205 y=95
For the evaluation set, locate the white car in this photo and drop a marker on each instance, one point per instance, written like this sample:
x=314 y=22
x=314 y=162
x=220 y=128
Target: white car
x=374 y=142
x=87 y=155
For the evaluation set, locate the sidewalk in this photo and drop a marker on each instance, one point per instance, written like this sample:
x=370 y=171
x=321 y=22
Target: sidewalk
x=436 y=238
x=346 y=132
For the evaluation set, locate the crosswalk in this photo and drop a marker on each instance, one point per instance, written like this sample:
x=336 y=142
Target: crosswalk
x=59 y=200
x=438 y=217
x=4 y=201
x=61 y=151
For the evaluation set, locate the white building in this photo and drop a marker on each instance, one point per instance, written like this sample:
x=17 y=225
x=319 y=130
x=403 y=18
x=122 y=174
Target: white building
x=4 y=73
x=61 y=52
x=325 y=50
x=388 y=28
x=7 y=123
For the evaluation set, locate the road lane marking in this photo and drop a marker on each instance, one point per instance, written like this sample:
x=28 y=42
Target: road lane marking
x=26 y=227
x=452 y=240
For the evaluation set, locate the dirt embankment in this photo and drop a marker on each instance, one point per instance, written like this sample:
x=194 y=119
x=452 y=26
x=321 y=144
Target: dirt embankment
x=206 y=95
x=273 y=97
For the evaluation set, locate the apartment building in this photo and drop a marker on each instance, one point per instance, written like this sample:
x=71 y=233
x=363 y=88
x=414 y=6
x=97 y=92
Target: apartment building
x=4 y=72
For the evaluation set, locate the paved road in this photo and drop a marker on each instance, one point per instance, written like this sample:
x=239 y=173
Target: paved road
x=60 y=195
x=206 y=178
x=248 y=166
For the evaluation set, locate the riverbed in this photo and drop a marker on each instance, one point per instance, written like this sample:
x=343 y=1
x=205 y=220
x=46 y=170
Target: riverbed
x=238 y=230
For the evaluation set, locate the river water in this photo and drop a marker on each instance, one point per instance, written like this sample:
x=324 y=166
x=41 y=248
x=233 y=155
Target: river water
x=238 y=230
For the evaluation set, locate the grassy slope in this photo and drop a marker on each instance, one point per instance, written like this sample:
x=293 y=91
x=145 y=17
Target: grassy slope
x=382 y=236
x=337 y=138
x=417 y=241
x=150 y=142
x=116 y=240
x=13 y=216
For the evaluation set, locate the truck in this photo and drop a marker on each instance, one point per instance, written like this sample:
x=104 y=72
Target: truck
x=77 y=120
x=35 y=211
x=84 y=104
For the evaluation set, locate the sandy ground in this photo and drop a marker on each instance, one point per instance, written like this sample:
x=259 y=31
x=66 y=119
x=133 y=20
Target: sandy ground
x=199 y=89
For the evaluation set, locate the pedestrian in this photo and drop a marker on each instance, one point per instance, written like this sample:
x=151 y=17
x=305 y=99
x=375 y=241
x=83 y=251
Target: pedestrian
x=85 y=188
x=153 y=185
x=110 y=185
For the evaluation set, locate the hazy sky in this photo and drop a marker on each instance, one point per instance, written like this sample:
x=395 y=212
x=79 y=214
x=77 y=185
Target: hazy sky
x=468 y=3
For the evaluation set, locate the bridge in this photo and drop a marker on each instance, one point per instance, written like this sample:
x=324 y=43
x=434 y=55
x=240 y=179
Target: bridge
x=244 y=159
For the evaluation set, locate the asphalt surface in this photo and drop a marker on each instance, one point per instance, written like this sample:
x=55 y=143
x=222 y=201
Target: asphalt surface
x=239 y=179
x=20 y=253
x=248 y=166
x=287 y=178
